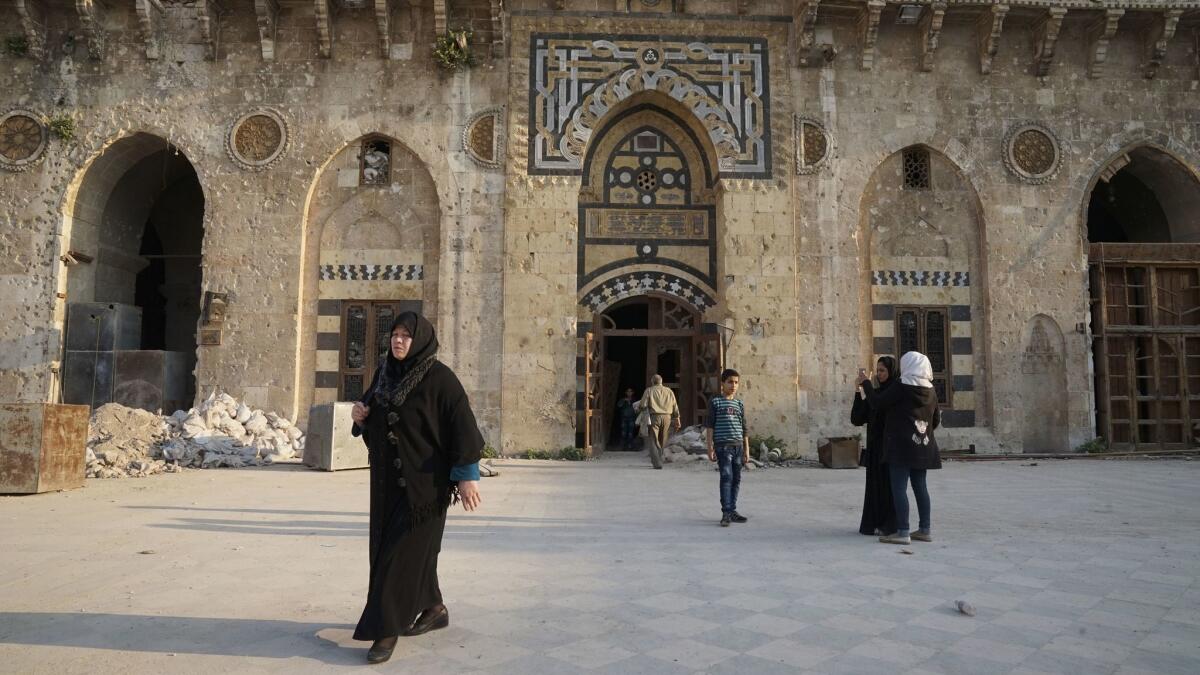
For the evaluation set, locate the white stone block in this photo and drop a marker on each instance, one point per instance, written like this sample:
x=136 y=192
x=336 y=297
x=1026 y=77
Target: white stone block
x=329 y=444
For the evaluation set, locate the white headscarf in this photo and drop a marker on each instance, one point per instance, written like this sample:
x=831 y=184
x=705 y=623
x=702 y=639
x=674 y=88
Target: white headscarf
x=915 y=370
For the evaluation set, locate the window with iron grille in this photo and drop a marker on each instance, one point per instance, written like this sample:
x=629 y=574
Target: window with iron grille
x=375 y=162
x=927 y=330
x=365 y=341
x=916 y=168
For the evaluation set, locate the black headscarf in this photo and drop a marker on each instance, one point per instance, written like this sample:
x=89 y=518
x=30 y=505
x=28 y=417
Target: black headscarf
x=399 y=377
x=889 y=364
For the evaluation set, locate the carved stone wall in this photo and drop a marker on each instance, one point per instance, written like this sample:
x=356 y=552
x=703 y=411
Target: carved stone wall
x=1044 y=384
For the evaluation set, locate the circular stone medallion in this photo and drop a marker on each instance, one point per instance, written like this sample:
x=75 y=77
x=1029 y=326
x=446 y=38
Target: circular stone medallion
x=1032 y=153
x=812 y=145
x=483 y=137
x=23 y=139
x=258 y=139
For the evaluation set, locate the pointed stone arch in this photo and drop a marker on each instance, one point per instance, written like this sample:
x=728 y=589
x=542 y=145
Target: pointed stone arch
x=1044 y=387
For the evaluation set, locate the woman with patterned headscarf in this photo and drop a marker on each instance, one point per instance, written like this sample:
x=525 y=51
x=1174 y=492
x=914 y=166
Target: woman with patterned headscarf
x=909 y=448
x=424 y=448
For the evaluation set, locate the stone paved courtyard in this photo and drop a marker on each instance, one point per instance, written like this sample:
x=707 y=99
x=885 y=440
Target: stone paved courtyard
x=609 y=567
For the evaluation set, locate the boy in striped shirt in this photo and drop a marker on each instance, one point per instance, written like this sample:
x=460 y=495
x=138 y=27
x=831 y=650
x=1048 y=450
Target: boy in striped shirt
x=728 y=443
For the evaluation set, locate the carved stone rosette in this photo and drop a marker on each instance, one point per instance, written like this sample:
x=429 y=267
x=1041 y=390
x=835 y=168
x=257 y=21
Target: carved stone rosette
x=258 y=139
x=483 y=137
x=813 y=144
x=23 y=139
x=1032 y=153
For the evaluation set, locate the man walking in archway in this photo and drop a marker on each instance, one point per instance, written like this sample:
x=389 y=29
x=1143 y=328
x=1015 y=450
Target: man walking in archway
x=659 y=402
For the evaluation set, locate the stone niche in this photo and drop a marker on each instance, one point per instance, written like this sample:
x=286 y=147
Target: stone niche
x=1044 y=387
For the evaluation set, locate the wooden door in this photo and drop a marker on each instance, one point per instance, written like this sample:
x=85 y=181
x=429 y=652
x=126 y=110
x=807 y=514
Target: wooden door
x=709 y=361
x=593 y=389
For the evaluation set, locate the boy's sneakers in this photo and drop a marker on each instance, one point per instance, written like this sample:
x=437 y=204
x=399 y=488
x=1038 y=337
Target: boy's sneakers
x=922 y=536
x=737 y=517
x=725 y=520
x=895 y=539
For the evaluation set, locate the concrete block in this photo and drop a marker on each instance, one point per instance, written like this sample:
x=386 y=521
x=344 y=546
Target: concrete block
x=42 y=447
x=329 y=444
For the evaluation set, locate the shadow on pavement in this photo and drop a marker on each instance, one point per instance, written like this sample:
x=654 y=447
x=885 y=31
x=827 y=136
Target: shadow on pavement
x=264 y=638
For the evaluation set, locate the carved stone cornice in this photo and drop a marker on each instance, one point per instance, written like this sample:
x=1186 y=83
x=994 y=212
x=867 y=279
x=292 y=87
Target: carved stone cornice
x=804 y=18
x=991 y=23
x=930 y=29
x=91 y=17
x=267 y=12
x=1046 y=37
x=383 y=26
x=1098 y=36
x=33 y=23
x=440 y=12
x=149 y=14
x=210 y=25
x=1160 y=33
x=324 y=19
x=868 y=31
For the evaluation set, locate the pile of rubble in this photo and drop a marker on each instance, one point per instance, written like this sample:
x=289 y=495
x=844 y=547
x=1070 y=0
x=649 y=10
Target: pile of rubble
x=687 y=445
x=219 y=432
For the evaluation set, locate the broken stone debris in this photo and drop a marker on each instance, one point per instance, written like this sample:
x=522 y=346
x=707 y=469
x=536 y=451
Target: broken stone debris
x=220 y=432
x=690 y=444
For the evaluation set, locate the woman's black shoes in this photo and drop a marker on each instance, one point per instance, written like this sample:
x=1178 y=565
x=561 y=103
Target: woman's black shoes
x=431 y=619
x=381 y=650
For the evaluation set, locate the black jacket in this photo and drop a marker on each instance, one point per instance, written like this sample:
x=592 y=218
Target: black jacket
x=862 y=413
x=910 y=415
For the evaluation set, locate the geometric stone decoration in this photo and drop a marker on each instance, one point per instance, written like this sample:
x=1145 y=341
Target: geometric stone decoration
x=813 y=145
x=1032 y=153
x=483 y=137
x=920 y=278
x=577 y=78
x=642 y=282
x=23 y=139
x=257 y=139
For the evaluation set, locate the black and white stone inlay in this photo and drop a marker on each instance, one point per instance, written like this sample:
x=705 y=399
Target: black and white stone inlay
x=372 y=273
x=919 y=278
x=640 y=283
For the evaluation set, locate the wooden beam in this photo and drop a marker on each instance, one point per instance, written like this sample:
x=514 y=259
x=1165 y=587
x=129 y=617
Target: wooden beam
x=149 y=14
x=988 y=30
x=868 y=31
x=33 y=23
x=383 y=26
x=931 y=29
x=91 y=16
x=1160 y=33
x=1047 y=33
x=210 y=25
x=324 y=18
x=267 y=12
x=1098 y=36
x=804 y=18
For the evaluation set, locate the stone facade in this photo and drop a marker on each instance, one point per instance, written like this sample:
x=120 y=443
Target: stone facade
x=817 y=183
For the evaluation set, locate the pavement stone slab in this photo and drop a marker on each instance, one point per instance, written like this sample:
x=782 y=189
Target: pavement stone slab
x=605 y=567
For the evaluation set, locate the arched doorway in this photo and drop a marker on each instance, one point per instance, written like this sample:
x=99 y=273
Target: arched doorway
x=371 y=251
x=647 y=262
x=1143 y=231
x=132 y=250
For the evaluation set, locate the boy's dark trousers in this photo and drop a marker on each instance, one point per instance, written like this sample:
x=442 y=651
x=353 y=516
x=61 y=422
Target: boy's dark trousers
x=729 y=461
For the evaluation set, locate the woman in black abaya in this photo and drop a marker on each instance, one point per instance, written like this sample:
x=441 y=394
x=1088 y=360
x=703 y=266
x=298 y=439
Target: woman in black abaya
x=879 y=512
x=424 y=448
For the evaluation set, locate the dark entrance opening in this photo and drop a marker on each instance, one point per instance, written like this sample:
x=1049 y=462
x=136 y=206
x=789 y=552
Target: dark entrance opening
x=133 y=306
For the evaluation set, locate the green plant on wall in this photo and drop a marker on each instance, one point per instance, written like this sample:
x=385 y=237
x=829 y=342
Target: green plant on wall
x=16 y=45
x=453 y=52
x=1093 y=446
x=63 y=127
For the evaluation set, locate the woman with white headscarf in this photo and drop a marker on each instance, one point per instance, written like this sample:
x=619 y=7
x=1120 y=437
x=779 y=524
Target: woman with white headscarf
x=909 y=447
